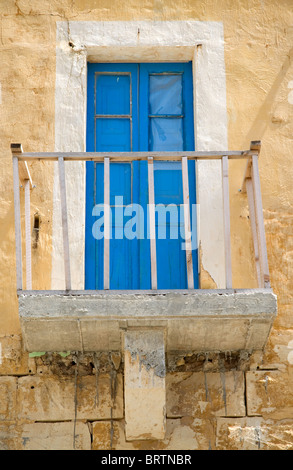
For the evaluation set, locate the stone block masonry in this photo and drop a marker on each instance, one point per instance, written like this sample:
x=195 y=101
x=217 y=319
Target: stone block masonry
x=76 y=401
x=60 y=399
x=202 y=394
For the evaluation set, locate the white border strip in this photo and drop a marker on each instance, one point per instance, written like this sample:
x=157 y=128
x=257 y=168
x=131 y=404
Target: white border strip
x=79 y=41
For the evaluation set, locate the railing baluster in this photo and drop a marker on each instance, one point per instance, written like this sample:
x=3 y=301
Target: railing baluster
x=106 y=223
x=198 y=233
x=227 y=232
x=260 y=223
x=64 y=223
x=151 y=187
x=17 y=222
x=28 y=243
x=187 y=232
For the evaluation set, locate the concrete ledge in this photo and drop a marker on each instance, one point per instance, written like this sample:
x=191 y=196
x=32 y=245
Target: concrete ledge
x=199 y=320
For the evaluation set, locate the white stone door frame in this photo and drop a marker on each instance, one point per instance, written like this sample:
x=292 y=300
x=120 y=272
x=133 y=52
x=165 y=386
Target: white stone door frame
x=78 y=42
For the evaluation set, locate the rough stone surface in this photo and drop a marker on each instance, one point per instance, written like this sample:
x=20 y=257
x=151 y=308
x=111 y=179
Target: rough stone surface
x=56 y=436
x=8 y=387
x=171 y=304
x=211 y=361
x=202 y=394
x=57 y=399
x=270 y=394
x=13 y=359
x=254 y=434
x=70 y=364
x=144 y=384
x=10 y=438
x=148 y=347
x=181 y=434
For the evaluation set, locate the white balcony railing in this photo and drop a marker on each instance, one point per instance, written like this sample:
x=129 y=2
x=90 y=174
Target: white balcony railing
x=251 y=185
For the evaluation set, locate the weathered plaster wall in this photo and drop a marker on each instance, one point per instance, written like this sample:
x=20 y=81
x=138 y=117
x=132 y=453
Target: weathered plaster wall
x=259 y=75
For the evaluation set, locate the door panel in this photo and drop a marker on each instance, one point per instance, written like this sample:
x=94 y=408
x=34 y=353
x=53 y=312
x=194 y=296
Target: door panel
x=106 y=128
x=113 y=93
x=169 y=194
x=166 y=123
x=111 y=126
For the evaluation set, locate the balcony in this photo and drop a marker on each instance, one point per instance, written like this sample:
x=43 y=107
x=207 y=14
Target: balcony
x=192 y=320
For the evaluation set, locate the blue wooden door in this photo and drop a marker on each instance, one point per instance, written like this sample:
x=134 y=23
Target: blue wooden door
x=138 y=107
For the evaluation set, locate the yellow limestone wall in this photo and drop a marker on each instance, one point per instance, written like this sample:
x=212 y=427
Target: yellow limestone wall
x=205 y=408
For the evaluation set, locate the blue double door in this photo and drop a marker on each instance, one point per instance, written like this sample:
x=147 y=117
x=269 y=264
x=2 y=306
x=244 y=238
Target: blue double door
x=139 y=107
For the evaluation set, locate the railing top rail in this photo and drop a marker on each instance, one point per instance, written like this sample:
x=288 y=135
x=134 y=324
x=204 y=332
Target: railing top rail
x=16 y=150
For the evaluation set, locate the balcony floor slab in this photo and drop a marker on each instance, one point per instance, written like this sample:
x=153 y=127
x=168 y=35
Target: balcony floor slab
x=193 y=321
